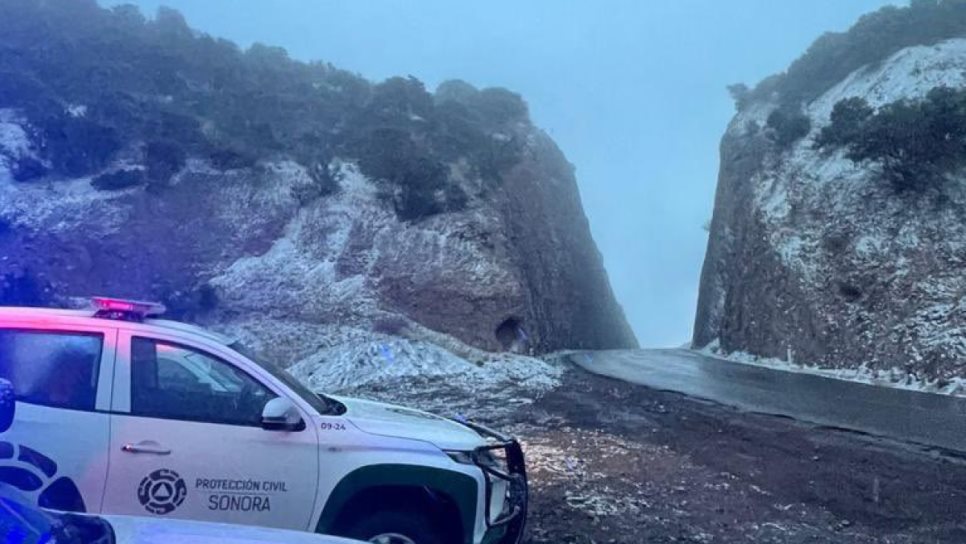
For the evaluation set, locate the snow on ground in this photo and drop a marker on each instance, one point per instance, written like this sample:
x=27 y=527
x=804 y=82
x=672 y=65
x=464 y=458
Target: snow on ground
x=426 y=376
x=352 y=361
x=52 y=207
x=382 y=359
x=14 y=141
x=895 y=377
x=60 y=206
x=588 y=488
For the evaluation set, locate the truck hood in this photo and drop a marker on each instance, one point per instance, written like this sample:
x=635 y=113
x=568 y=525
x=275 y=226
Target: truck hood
x=396 y=421
x=136 y=530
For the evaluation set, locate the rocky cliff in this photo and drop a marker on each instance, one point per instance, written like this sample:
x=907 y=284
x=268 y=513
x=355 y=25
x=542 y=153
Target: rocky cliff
x=819 y=256
x=246 y=189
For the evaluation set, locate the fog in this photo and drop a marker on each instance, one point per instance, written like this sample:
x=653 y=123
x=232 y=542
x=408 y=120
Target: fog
x=632 y=91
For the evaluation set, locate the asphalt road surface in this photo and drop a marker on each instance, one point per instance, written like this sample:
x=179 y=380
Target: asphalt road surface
x=924 y=418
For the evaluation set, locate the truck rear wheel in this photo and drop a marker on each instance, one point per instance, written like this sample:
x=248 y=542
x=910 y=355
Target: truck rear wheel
x=396 y=527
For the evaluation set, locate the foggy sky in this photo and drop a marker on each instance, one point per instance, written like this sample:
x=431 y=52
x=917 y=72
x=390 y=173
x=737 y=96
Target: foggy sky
x=633 y=91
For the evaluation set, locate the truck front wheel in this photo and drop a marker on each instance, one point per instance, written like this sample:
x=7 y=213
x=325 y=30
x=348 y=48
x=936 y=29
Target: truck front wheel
x=396 y=527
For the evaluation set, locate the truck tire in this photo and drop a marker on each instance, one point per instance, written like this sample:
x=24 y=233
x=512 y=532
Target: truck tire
x=397 y=527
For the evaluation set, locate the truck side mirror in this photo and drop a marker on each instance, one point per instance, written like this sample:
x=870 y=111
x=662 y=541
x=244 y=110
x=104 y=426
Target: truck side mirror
x=280 y=414
x=8 y=405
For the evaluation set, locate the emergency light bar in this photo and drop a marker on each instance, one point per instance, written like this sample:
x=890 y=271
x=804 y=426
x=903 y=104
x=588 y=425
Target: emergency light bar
x=126 y=310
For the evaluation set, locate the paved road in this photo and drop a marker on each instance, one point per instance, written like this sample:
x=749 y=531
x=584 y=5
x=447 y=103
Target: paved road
x=925 y=418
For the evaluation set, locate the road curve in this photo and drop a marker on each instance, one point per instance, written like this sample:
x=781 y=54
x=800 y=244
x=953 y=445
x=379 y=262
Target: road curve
x=925 y=418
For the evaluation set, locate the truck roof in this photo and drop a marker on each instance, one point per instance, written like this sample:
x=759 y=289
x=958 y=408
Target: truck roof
x=58 y=314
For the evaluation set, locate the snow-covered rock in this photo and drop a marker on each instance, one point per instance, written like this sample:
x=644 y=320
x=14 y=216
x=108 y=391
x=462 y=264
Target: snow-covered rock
x=813 y=254
x=442 y=375
x=266 y=242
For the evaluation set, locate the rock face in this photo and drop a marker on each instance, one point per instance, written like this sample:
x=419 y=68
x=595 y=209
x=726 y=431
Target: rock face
x=240 y=186
x=232 y=244
x=814 y=256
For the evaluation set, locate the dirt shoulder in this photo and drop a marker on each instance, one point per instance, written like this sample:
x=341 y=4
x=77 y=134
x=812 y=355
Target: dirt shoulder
x=613 y=462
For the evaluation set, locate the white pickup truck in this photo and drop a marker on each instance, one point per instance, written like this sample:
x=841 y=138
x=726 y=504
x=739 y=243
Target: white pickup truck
x=121 y=413
x=24 y=523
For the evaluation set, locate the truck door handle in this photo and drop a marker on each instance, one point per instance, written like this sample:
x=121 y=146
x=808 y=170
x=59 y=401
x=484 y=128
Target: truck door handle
x=152 y=449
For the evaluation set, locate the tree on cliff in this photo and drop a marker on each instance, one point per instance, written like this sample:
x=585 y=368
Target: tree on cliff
x=875 y=37
x=916 y=143
x=97 y=82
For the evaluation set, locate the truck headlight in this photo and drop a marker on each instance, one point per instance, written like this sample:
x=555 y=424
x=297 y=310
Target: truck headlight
x=462 y=457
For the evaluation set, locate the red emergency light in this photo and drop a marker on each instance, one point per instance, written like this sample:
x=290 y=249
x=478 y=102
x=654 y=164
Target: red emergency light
x=126 y=310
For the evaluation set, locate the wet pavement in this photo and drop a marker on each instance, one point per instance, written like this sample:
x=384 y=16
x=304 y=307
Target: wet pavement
x=924 y=418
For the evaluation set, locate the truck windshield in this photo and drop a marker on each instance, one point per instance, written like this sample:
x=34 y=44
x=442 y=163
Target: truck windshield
x=322 y=404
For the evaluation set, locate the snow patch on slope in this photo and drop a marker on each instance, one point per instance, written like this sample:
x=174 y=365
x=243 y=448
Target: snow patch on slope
x=909 y=74
x=386 y=359
x=60 y=206
x=297 y=276
x=50 y=206
x=14 y=141
x=323 y=266
x=820 y=210
x=346 y=360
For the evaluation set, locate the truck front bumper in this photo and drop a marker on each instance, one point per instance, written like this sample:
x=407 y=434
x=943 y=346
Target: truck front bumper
x=507 y=527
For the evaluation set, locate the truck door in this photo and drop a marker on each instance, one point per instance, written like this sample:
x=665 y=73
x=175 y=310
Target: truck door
x=187 y=440
x=56 y=450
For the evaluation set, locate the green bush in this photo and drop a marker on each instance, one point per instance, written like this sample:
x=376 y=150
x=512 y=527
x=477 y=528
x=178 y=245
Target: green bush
x=847 y=122
x=788 y=126
x=187 y=94
x=28 y=169
x=188 y=304
x=455 y=90
x=915 y=143
x=401 y=99
x=78 y=146
x=231 y=159
x=393 y=156
x=500 y=106
x=115 y=181
x=741 y=94
x=23 y=289
x=874 y=37
x=163 y=159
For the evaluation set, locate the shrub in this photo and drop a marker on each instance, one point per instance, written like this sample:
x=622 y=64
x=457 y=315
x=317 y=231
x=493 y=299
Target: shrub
x=916 y=144
x=115 y=181
x=873 y=38
x=847 y=122
x=393 y=325
x=501 y=106
x=23 y=289
x=401 y=97
x=788 y=126
x=207 y=298
x=188 y=304
x=27 y=169
x=231 y=159
x=456 y=90
x=459 y=131
x=393 y=156
x=741 y=94
x=190 y=95
x=78 y=146
x=163 y=160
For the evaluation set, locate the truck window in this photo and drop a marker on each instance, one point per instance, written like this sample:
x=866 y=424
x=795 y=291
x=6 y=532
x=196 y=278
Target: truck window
x=170 y=381
x=57 y=369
